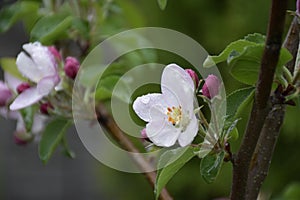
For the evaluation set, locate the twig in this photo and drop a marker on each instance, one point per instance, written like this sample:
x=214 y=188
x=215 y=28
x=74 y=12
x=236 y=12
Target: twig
x=261 y=106
x=105 y=119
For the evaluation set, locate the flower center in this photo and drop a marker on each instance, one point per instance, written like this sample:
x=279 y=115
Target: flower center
x=174 y=115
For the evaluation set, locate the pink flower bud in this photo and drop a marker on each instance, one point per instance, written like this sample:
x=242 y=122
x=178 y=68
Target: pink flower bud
x=45 y=107
x=71 y=67
x=22 y=87
x=54 y=52
x=22 y=138
x=5 y=94
x=211 y=86
x=194 y=76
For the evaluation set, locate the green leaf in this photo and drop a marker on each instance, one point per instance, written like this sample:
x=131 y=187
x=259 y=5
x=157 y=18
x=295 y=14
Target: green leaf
x=52 y=137
x=162 y=4
x=210 y=166
x=237 y=47
x=245 y=66
x=50 y=28
x=21 y=10
x=236 y=99
x=169 y=164
x=9 y=65
x=256 y=37
x=28 y=116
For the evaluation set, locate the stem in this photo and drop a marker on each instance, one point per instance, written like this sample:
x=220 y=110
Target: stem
x=264 y=150
x=261 y=105
x=105 y=119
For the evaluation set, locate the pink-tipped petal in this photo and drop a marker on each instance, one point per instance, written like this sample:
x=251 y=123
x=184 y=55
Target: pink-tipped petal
x=27 y=98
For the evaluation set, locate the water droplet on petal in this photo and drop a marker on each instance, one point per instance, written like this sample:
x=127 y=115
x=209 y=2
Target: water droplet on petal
x=145 y=100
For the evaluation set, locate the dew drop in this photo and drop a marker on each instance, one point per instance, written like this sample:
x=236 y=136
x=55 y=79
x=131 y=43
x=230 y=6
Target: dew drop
x=145 y=100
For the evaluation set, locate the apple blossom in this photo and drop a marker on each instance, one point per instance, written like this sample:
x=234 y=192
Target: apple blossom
x=211 y=86
x=170 y=115
x=39 y=65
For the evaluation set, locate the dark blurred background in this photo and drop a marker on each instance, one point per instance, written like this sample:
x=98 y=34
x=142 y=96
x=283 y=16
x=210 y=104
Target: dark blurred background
x=214 y=24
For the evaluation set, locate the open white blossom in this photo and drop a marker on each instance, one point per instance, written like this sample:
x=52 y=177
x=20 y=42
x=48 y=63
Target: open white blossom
x=39 y=65
x=170 y=115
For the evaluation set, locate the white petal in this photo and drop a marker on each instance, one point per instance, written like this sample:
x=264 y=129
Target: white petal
x=177 y=84
x=26 y=98
x=143 y=104
x=12 y=81
x=31 y=47
x=159 y=130
x=186 y=137
x=44 y=61
x=28 y=68
x=46 y=84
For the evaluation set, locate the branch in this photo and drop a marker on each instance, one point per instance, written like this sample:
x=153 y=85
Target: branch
x=261 y=105
x=105 y=119
x=261 y=160
x=262 y=157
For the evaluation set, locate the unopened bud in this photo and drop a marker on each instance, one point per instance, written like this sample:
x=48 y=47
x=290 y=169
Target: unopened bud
x=22 y=87
x=194 y=76
x=5 y=94
x=54 y=52
x=211 y=86
x=71 y=67
x=45 y=107
x=22 y=138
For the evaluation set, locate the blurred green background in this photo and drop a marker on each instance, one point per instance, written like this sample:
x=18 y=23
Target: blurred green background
x=214 y=24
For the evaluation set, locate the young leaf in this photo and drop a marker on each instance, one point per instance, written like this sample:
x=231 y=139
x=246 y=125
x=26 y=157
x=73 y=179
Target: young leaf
x=9 y=65
x=162 y=4
x=236 y=46
x=50 y=28
x=210 y=166
x=236 y=99
x=18 y=11
x=245 y=66
x=169 y=164
x=28 y=115
x=52 y=137
x=256 y=37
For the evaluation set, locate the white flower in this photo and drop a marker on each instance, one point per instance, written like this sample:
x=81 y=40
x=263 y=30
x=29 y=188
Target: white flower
x=39 y=65
x=170 y=115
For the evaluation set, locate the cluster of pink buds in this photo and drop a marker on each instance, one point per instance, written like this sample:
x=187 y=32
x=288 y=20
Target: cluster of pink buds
x=44 y=72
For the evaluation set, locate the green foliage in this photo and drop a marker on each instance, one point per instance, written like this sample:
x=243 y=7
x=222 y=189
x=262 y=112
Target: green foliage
x=162 y=4
x=28 y=116
x=49 y=28
x=9 y=65
x=211 y=165
x=245 y=66
x=169 y=164
x=21 y=10
x=52 y=137
x=244 y=58
x=236 y=99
